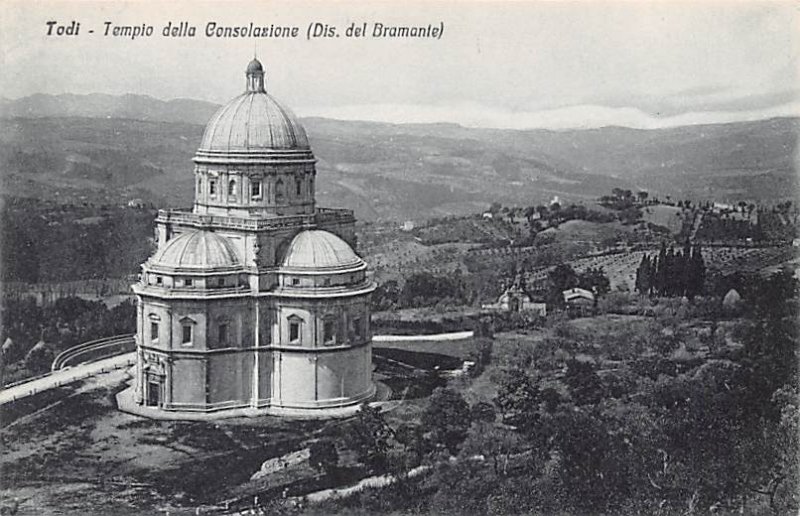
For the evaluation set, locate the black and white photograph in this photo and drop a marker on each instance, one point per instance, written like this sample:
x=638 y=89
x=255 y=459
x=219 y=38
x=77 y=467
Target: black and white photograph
x=375 y=257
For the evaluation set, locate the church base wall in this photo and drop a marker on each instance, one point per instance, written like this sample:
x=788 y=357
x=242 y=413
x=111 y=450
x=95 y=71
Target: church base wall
x=287 y=379
x=125 y=402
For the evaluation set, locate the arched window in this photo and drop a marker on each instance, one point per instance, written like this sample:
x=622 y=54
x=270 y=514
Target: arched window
x=232 y=188
x=255 y=188
x=295 y=330
x=154 y=328
x=199 y=185
x=298 y=186
x=329 y=330
x=279 y=190
x=222 y=333
x=187 y=331
x=358 y=328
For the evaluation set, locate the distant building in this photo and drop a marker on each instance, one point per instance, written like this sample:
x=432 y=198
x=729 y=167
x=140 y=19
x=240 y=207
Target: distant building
x=135 y=203
x=407 y=225
x=579 y=301
x=515 y=299
x=255 y=298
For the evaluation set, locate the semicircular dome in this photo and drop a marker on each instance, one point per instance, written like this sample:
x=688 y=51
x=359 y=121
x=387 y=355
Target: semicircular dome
x=254 y=121
x=197 y=250
x=315 y=249
x=255 y=66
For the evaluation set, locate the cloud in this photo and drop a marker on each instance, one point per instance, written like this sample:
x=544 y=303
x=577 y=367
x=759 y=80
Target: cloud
x=585 y=116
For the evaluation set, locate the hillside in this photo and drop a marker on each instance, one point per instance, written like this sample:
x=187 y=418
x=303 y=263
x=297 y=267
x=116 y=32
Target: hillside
x=106 y=149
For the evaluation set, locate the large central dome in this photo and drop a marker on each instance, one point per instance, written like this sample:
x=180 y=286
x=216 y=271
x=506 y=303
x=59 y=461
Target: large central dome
x=253 y=122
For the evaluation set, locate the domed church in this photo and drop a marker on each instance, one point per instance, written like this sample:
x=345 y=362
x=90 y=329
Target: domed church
x=255 y=298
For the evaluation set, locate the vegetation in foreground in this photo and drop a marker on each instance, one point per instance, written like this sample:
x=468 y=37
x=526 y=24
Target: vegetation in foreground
x=690 y=408
x=687 y=412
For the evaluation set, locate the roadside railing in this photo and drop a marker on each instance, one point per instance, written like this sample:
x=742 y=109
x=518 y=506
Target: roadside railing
x=69 y=357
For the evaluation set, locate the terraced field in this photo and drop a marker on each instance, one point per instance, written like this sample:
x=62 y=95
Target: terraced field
x=396 y=260
x=621 y=268
x=727 y=260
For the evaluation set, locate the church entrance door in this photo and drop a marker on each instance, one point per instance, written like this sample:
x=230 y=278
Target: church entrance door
x=153 y=394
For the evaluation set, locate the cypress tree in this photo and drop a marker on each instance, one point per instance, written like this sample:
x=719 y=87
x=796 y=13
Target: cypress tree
x=697 y=272
x=642 y=275
x=661 y=270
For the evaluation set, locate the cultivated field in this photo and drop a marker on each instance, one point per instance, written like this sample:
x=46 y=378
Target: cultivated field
x=621 y=268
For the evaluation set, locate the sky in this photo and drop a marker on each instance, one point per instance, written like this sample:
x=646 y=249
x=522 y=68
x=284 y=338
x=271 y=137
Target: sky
x=518 y=64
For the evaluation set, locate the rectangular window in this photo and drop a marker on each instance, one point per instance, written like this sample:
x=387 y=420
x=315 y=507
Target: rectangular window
x=328 y=332
x=294 y=331
x=255 y=189
x=212 y=186
x=153 y=331
x=187 y=334
x=159 y=280
x=220 y=282
x=357 y=328
x=295 y=281
x=188 y=282
x=223 y=333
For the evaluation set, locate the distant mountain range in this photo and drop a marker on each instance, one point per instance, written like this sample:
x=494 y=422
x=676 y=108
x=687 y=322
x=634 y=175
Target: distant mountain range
x=100 y=105
x=105 y=148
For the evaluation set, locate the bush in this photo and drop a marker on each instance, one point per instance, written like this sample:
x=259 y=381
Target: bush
x=323 y=457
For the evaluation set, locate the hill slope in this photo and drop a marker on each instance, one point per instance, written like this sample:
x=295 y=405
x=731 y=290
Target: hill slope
x=104 y=148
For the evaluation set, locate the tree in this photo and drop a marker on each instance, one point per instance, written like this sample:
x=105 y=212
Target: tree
x=39 y=358
x=368 y=435
x=323 y=457
x=695 y=273
x=447 y=418
x=644 y=276
x=493 y=442
x=584 y=384
x=562 y=277
x=593 y=466
x=594 y=279
x=412 y=437
x=518 y=399
x=482 y=411
x=386 y=296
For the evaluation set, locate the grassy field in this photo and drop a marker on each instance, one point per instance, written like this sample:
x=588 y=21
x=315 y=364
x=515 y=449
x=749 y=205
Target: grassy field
x=94 y=459
x=666 y=216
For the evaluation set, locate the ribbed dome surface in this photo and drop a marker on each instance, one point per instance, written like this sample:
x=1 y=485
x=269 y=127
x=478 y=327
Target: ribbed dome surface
x=253 y=121
x=317 y=249
x=197 y=250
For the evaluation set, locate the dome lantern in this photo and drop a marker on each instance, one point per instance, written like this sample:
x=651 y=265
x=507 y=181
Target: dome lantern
x=255 y=77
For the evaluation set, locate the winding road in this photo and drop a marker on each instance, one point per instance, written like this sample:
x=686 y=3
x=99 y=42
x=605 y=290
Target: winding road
x=65 y=376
